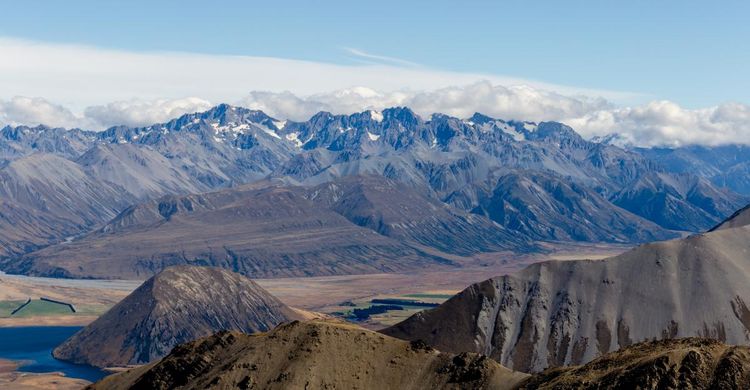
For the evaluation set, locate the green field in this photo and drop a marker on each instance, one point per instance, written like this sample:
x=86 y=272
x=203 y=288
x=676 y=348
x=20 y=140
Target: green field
x=393 y=316
x=38 y=307
x=42 y=308
x=8 y=306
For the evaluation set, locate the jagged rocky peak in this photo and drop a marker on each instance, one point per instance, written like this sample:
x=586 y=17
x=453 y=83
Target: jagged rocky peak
x=225 y=114
x=480 y=119
x=555 y=132
x=19 y=141
x=614 y=139
x=21 y=132
x=16 y=133
x=219 y=119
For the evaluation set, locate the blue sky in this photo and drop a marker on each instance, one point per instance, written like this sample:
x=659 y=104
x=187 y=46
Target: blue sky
x=693 y=53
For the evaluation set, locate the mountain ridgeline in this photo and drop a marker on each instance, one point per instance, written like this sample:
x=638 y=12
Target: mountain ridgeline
x=395 y=185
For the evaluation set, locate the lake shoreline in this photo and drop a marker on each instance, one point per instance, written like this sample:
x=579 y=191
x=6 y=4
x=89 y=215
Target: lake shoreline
x=7 y=366
x=27 y=351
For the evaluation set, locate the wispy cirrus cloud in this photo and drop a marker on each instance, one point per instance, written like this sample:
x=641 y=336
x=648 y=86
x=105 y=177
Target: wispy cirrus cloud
x=374 y=58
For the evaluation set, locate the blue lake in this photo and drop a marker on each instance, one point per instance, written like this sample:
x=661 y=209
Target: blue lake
x=32 y=346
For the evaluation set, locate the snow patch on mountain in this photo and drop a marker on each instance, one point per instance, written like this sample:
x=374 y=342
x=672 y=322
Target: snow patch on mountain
x=377 y=116
x=294 y=138
x=510 y=130
x=279 y=124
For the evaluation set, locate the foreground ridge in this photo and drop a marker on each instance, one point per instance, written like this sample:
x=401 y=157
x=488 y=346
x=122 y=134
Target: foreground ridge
x=331 y=354
x=315 y=354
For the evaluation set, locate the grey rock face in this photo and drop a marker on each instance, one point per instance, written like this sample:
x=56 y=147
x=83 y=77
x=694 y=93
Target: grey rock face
x=678 y=201
x=20 y=141
x=569 y=312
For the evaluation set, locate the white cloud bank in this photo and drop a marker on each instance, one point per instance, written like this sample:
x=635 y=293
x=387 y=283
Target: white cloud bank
x=150 y=88
x=81 y=76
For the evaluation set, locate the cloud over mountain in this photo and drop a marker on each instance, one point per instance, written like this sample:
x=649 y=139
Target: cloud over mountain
x=520 y=102
x=658 y=123
x=665 y=123
x=141 y=112
x=34 y=111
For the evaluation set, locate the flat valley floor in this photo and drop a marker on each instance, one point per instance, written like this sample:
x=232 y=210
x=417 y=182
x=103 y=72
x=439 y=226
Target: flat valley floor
x=320 y=294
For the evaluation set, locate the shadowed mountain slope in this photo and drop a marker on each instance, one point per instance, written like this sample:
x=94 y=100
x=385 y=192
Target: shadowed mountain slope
x=259 y=232
x=543 y=206
x=402 y=212
x=141 y=171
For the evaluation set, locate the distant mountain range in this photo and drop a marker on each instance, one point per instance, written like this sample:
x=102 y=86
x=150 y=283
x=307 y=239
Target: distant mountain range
x=725 y=165
x=559 y=313
x=461 y=186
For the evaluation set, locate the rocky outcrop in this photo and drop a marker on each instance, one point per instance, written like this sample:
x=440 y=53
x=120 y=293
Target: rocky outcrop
x=691 y=363
x=178 y=305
